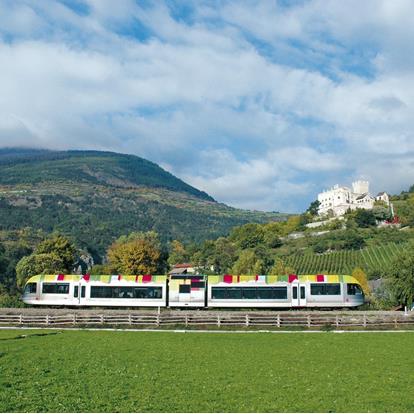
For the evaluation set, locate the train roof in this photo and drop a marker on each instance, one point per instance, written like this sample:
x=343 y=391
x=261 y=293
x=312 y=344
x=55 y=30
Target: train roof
x=266 y=279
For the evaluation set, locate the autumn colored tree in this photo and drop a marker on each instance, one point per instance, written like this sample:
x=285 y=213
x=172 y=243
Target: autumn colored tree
x=138 y=256
x=177 y=254
x=361 y=277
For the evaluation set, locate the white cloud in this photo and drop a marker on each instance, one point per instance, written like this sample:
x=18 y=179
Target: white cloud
x=322 y=93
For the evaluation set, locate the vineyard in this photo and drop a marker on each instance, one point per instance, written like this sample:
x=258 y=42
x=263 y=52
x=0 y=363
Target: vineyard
x=344 y=261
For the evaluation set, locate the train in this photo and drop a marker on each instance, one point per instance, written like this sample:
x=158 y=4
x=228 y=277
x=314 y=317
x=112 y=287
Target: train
x=195 y=291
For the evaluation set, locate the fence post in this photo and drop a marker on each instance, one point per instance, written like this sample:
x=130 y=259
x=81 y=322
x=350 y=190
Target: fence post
x=395 y=322
x=21 y=319
x=47 y=319
x=158 y=320
x=218 y=321
x=337 y=321
x=129 y=319
x=365 y=320
x=74 y=318
x=247 y=320
x=186 y=320
x=278 y=320
x=309 y=321
x=102 y=319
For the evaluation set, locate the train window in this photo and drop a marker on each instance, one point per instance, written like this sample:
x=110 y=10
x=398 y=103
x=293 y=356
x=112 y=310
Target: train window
x=265 y=293
x=318 y=289
x=126 y=292
x=249 y=293
x=101 y=292
x=279 y=292
x=294 y=292
x=234 y=293
x=185 y=289
x=218 y=293
x=30 y=288
x=353 y=289
x=302 y=292
x=333 y=288
x=148 y=293
x=55 y=288
x=83 y=291
x=76 y=292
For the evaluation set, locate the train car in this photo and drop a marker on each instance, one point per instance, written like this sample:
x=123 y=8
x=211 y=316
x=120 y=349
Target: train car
x=287 y=291
x=89 y=290
x=199 y=291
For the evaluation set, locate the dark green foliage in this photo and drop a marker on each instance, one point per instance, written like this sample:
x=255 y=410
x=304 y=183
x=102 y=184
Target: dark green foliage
x=400 y=276
x=247 y=236
x=313 y=208
x=365 y=218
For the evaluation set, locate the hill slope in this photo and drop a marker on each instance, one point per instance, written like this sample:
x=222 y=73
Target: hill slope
x=97 y=196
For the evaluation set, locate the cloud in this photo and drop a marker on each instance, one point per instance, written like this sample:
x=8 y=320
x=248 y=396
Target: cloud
x=260 y=103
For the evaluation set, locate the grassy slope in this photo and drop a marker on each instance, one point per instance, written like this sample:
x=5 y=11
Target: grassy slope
x=157 y=372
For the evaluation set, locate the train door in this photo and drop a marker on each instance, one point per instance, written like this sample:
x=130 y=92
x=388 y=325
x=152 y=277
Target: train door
x=295 y=294
x=81 y=294
x=76 y=295
x=302 y=295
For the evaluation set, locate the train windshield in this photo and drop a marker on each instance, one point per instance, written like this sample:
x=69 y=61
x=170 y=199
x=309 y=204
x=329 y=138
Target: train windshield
x=30 y=288
x=354 y=289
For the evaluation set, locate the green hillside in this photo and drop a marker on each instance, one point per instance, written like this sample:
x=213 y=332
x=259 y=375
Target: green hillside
x=95 y=197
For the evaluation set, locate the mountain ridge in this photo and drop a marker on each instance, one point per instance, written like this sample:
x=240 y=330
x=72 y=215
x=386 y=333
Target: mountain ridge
x=94 y=197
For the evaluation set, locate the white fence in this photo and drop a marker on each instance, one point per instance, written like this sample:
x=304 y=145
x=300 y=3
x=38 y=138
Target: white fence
x=328 y=320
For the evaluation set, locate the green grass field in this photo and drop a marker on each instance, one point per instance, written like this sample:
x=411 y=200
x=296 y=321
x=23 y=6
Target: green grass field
x=158 y=371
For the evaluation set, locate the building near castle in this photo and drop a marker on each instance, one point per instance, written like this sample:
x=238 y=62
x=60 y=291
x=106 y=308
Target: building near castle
x=340 y=198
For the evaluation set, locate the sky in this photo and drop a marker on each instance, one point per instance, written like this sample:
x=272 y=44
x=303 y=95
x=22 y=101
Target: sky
x=260 y=103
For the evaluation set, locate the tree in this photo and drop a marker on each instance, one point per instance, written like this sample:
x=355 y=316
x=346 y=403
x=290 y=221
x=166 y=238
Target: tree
x=248 y=236
x=361 y=277
x=353 y=240
x=313 y=208
x=381 y=213
x=61 y=247
x=246 y=263
x=42 y=263
x=138 y=256
x=365 y=218
x=400 y=276
x=177 y=254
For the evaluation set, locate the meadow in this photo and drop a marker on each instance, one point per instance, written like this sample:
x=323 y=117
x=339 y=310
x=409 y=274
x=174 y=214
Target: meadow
x=83 y=371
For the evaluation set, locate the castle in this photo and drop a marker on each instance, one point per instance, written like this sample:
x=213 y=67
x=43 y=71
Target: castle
x=339 y=199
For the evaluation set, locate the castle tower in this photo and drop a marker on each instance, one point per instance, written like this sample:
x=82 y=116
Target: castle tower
x=360 y=187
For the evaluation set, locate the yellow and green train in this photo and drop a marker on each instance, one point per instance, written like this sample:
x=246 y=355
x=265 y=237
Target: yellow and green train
x=199 y=291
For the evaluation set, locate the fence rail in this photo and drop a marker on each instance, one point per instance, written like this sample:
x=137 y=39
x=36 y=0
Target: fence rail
x=277 y=320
